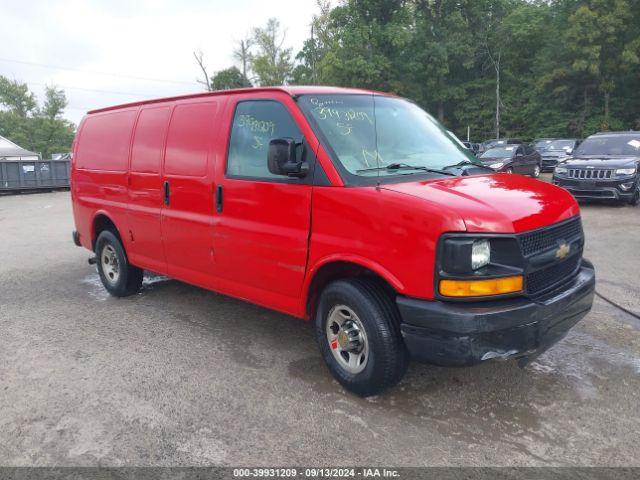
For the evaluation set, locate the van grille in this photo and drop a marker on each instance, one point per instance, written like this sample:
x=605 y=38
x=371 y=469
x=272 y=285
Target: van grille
x=600 y=173
x=542 y=280
x=540 y=240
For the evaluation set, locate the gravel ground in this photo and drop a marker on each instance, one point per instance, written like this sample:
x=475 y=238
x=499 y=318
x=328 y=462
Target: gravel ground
x=181 y=376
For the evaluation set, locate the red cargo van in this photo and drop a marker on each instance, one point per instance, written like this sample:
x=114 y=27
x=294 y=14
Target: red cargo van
x=353 y=209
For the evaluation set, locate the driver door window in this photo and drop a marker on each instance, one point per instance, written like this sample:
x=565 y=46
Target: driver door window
x=255 y=124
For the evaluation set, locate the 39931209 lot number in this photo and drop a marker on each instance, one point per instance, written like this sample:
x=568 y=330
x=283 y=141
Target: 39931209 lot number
x=316 y=472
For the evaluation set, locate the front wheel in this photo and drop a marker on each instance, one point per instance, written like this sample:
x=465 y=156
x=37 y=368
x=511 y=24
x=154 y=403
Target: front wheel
x=636 y=196
x=509 y=170
x=357 y=329
x=118 y=276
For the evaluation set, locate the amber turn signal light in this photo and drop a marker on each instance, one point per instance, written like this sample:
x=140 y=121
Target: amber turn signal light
x=481 y=288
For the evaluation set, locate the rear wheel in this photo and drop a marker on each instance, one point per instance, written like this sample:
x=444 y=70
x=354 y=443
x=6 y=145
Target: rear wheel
x=357 y=329
x=536 y=171
x=118 y=276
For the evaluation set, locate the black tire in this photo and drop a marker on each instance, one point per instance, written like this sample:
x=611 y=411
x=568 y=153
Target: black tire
x=536 y=172
x=636 y=197
x=128 y=279
x=387 y=355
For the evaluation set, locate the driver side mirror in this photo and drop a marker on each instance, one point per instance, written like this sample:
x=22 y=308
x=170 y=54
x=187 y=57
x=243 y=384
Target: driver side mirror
x=282 y=158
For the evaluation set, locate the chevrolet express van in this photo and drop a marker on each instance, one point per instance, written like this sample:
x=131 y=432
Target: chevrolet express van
x=352 y=209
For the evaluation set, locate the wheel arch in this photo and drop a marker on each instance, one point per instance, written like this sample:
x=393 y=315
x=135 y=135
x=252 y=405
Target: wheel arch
x=335 y=268
x=102 y=221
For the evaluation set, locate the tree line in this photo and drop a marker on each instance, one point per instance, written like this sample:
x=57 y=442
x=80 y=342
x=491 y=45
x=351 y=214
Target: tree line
x=507 y=68
x=39 y=128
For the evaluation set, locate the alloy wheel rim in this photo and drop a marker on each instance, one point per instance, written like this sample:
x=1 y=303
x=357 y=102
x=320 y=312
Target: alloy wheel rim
x=536 y=171
x=110 y=264
x=347 y=339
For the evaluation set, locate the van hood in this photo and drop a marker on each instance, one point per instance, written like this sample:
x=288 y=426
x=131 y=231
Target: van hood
x=500 y=203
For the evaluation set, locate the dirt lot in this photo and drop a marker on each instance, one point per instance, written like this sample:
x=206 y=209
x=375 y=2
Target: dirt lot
x=180 y=376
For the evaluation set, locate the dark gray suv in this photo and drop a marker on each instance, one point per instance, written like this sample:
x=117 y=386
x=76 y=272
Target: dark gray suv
x=604 y=166
x=556 y=151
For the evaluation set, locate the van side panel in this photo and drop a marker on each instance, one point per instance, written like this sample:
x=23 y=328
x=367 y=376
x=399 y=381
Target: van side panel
x=105 y=142
x=188 y=171
x=100 y=174
x=145 y=189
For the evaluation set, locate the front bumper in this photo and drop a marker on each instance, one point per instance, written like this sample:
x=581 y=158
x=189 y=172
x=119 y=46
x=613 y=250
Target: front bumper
x=76 y=238
x=597 y=189
x=549 y=163
x=460 y=334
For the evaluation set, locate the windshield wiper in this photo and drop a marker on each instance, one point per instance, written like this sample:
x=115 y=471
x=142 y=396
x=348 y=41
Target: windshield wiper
x=460 y=164
x=467 y=162
x=404 y=166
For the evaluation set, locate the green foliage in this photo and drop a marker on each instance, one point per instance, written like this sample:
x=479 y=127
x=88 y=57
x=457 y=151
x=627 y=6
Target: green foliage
x=16 y=97
x=229 y=78
x=272 y=63
x=37 y=129
x=54 y=104
x=566 y=67
x=367 y=38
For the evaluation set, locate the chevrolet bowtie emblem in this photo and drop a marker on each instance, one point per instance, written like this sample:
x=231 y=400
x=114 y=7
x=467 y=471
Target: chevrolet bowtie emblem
x=563 y=251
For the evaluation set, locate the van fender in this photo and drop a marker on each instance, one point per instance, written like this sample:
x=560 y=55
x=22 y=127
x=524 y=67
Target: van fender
x=363 y=262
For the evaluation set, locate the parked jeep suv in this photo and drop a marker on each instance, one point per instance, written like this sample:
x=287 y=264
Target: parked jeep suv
x=604 y=166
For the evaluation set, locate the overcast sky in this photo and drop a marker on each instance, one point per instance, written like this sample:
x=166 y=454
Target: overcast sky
x=96 y=46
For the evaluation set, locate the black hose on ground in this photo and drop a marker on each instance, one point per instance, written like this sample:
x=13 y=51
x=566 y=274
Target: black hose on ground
x=620 y=307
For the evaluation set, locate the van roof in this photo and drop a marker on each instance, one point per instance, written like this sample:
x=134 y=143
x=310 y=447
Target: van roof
x=289 y=90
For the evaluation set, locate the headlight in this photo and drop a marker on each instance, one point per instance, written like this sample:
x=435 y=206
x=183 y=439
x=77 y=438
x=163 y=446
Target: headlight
x=480 y=254
x=477 y=266
x=497 y=165
x=560 y=170
x=625 y=171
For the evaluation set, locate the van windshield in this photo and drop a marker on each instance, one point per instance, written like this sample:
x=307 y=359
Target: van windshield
x=610 y=145
x=366 y=134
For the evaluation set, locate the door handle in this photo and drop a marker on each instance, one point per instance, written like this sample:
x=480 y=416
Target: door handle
x=219 y=199
x=166 y=192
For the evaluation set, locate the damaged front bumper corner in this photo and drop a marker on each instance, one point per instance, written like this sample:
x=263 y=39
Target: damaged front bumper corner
x=461 y=334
